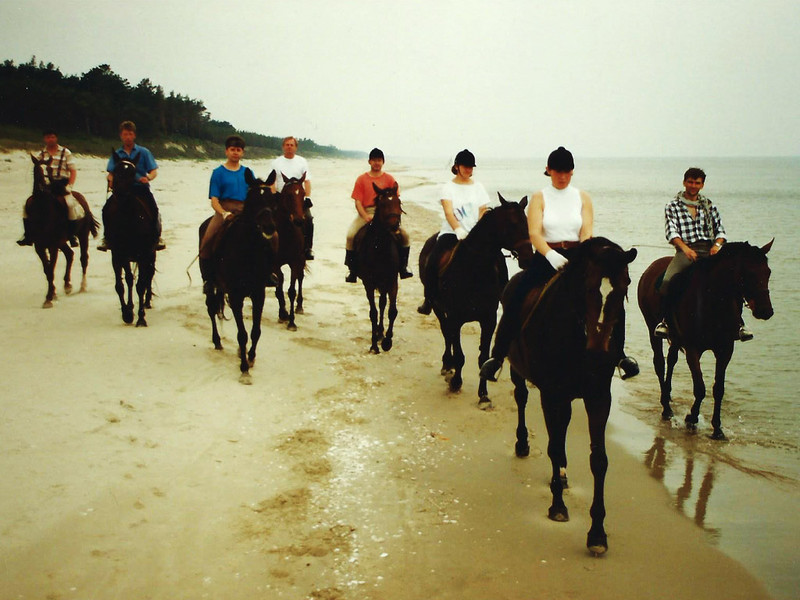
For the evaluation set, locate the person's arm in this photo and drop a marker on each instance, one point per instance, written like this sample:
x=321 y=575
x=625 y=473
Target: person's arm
x=307 y=188
x=587 y=217
x=73 y=175
x=536 y=231
x=673 y=233
x=149 y=177
x=217 y=206
x=450 y=216
x=362 y=212
x=720 y=235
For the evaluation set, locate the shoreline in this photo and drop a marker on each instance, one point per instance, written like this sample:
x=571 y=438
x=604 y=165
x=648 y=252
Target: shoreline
x=149 y=471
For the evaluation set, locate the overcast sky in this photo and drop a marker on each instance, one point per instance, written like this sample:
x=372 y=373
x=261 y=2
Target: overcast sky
x=501 y=77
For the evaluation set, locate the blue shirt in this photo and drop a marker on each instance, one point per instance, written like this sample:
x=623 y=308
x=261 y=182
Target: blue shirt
x=146 y=161
x=228 y=185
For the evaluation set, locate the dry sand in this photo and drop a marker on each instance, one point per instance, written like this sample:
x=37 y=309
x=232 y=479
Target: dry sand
x=135 y=465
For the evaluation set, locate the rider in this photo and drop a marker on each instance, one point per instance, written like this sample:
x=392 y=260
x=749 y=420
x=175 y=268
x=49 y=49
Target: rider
x=227 y=191
x=146 y=171
x=694 y=227
x=464 y=202
x=291 y=165
x=559 y=219
x=62 y=169
x=364 y=196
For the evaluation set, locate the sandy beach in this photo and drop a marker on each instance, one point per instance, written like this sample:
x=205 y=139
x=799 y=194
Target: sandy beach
x=137 y=466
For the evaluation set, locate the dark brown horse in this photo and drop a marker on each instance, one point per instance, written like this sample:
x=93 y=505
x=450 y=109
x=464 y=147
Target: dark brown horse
x=131 y=232
x=289 y=219
x=47 y=223
x=470 y=280
x=568 y=348
x=706 y=315
x=378 y=263
x=244 y=256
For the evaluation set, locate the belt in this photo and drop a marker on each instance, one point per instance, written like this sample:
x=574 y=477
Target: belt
x=563 y=245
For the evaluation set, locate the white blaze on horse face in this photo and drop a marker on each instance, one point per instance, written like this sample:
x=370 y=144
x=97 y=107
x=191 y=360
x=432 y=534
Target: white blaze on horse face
x=606 y=288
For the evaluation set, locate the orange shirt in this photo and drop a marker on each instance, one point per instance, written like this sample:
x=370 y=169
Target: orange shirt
x=363 y=192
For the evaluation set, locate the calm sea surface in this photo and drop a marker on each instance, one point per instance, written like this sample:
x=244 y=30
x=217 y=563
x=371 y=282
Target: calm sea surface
x=743 y=492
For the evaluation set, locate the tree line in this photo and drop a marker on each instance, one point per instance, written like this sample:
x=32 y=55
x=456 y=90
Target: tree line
x=37 y=95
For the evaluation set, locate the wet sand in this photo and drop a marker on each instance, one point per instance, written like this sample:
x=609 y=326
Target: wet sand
x=137 y=466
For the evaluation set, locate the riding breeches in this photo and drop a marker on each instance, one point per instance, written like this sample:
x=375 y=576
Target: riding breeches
x=358 y=223
x=74 y=209
x=680 y=262
x=215 y=224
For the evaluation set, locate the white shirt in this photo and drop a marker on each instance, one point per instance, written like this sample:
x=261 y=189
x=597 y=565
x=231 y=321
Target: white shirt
x=291 y=167
x=467 y=201
x=562 y=219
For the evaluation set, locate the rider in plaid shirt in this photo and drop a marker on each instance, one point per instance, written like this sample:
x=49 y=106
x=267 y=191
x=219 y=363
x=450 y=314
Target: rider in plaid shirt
x=694 y=227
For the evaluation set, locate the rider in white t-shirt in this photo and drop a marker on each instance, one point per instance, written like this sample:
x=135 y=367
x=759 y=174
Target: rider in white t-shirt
x=291 y=165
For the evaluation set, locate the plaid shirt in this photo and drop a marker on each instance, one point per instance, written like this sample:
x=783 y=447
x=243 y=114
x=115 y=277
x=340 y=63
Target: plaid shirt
x=680 y=224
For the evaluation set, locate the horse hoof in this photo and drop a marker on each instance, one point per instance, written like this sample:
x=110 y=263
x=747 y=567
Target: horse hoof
x=127 y=318
x=485 y=403
x=291 y=327
x=298 y=310
x=245 y=379
x=597 y=549
x=67 y=289
x=455 y=385
x=386 y=344
x=374 y=350
x=217 y=346
x=718 y=436
x=560 y=515
x=141 y=323
x=448 y=374
x=47 y=304
x=522 y=450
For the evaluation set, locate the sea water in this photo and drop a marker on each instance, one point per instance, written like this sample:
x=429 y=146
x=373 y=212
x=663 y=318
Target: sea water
x=745 y=493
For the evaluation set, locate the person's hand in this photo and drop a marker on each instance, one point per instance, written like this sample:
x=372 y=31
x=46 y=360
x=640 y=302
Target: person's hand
x=369 y=218
x=460 y=232
x=556 y=260
x=690 y=254
x=226 y=214
x=144 y=180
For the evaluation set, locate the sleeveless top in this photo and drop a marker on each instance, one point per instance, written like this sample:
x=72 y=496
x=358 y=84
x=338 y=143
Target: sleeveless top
x=561 y=218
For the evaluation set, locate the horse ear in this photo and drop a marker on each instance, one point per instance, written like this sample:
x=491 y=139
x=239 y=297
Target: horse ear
x=502 y=200
x=249 y=178
x=524 y=202
x=630 y=255
x=272 y=177
x=376 y=188
x=768 y=247
x=303 y=178
x=285 y=178
x=33 y=159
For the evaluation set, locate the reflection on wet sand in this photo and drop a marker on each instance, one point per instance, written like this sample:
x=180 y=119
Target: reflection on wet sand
x=662 y=462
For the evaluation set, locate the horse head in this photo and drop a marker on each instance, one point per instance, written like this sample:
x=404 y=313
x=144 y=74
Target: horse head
x=511 y=228
x=600 y=269
x=388 y=210
x=258 y=203
x=124 y=173
x=41 y=169
x=752 y=275
x=293 y=199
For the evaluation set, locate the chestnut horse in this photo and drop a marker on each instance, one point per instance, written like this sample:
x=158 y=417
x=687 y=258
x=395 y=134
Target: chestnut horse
x=470 y=280
x=378 y=263
x=706 y=315
x=568 y=347
x=47 y=222
x=289 y=219
x=244 y=256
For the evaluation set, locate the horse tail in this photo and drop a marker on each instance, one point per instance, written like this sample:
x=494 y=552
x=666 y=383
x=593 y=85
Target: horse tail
x=94 y=225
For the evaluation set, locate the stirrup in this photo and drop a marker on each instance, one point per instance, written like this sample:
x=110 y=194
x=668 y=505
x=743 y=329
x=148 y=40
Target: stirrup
x=309 y=254
x=351 y=278
x=629 y=367
x=491 y=368
x=24 y=241
x=424 y=308
x=405 y=274
x=103 y=245
x=160 y=245
x=745 y=335
x=661 y=330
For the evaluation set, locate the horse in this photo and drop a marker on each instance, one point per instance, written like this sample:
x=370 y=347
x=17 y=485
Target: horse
x=568 y=347
x=244 y=257
x=378 y=263
x=47 y=223
x=131 y=233
x=470 y=281
x=706 y=315
x=289 y=219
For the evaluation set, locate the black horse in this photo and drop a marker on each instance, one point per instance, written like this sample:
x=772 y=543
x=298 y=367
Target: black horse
x=470 y=280
x=378 y=263
x=706 y=315
x=47 y=224
x=244 y=258
x=568 y=348
x=131 y=232
x=289 y=219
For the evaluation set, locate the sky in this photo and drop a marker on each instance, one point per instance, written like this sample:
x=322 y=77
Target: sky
x=504 y=78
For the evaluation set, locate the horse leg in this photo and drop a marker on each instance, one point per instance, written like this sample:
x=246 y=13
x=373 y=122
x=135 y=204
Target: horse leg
x=48 y=267
x=487 y=330
x=213 y=305
x=143 y=286
x=447 y=355
x=298 y=307
x=723 y=357
x=257 y=300
x=666 y=388
x=522 y=447
x=236 y=302
x=283 y=316
x=69 y=256
x=698 y=387
x=386 y=344
x=557 y=415
x=373 y=318
x=292 y=293
x=456 y=380
x=597 y=409
x=84 y=240
x=381 y=312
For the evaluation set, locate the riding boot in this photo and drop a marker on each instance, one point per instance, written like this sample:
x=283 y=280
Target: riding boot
x=308 y=233
x=350 y=262
x=207 y=273
x=507 y=330
x=745 y=335
x=72 y=231
x=662 y=329
x=25 y=240
x=404 y=272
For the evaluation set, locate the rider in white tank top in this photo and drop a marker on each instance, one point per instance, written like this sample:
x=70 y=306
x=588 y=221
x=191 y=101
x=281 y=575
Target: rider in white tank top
x=561 y=217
